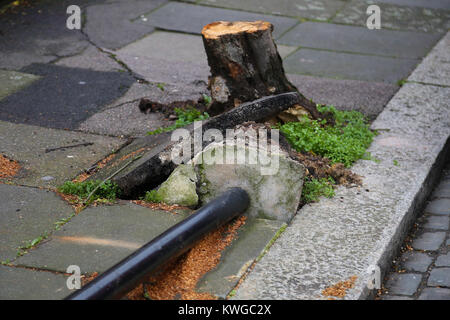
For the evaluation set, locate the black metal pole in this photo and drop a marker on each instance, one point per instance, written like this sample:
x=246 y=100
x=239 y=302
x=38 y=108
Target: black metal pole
x=125 y=275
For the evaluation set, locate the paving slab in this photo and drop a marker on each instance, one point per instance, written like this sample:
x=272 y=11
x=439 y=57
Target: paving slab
x=435 y=294
x=320 y=9
x=416 y=261
x=337 y=238
x=110 y=25
x=171 y=46
x=431 y=70
x=429 y=241
x=403 y=283
x=439 y=277
x=91 y=58
x=442 y=190
x=26 y=284
x=434 y=4
x=12 y=81
x=37 y=34
x=250 y=242
x=99 y=237
x=27 y=145
x=437 y=223
x=396 y=16
x=340 y=65
x=369 y=98
x=443 y=260
x=439 y=207
x=178 y=16
x=402 y=44
x=25 y=214
x=63 y=97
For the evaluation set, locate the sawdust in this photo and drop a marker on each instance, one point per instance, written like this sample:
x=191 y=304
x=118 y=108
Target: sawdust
x=88 y=173
x=8 y=167
x=179 y=279
x=339 y=290
x=159 y=206
x=85 y=279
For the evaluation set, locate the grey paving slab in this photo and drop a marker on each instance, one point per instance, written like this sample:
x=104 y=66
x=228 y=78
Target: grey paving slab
x=37 y=34
x=28 y=144
x=442 y=190
x=320 y=9
x=429 y=241
x=396 y=17
x=340 y=65
x=12 y=81
x=389 y=297
x=91 y=58
x=190 y=18
x=439 y=206
x=171 y=46
x=25 y=284
x=435 y=294
x=434 y=4
x=443 y=260
x=435 y=67
x=439 y=277
x=366 y=97
x=99 y=237
x=334 y=239
x=403 y=283
x=63 y=97
x=284 y=51
x=437 y=223
x=403 y=44
x=25 y=214
x=110 y=25
x=416 y=261
x=251 y=240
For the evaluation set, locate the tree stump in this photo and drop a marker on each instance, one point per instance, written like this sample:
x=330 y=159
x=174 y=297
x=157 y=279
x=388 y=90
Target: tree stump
x=245 y=65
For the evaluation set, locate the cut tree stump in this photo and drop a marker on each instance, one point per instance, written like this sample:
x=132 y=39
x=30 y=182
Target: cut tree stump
x=245 y=65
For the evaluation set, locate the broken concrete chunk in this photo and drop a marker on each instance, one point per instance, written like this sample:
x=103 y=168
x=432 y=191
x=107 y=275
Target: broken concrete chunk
x=273 y=180
x=180 y=187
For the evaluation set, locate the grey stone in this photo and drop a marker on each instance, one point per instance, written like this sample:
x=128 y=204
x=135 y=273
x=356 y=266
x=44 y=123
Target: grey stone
x=396 y=298
x=26 y=284
x=434 y=4
x=99 y=237
x=273 y=181
x=443 y=260
x=369 y=98
x=416 y=261
x=429 y=241
x=348 y=66
x=435 y=67
x=284 y=51
x=439 y=206
x=334 y=37
x=448 y=242
x=171 y=46
x=26 y=214
x=180 y=187
x=437 y=223
x=248 y=246
x=439 y=277
x=396 y=17
x=190 y=18
x=27 y=144
x=12 y=81
x=50 y=101
x=320 y=9
x=110 y=26
x=442 y=190
x=435 y=294
x=329 y=241
x=91 y=58
x=403 y=283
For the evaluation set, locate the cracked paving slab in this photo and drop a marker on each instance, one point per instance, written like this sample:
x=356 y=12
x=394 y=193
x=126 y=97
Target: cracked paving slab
x=27 y=145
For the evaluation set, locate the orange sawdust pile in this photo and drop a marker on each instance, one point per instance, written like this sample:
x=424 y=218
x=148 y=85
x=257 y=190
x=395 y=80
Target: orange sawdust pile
x=8 y=167
x=179 y=279
x=101 y=164
x=158 y=206
x=340 y=289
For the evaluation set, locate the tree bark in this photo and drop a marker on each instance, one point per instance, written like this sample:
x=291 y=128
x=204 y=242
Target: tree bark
x=245 y=65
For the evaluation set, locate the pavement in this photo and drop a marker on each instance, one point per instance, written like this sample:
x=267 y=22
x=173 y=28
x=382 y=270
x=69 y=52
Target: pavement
x=76 y=92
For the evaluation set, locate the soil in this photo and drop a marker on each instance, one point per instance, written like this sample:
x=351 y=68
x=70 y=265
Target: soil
x=8 y=167
x=147 y=105
x=180 y=278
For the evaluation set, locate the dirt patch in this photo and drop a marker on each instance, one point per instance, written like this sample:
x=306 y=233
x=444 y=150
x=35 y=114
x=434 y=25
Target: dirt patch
x=71 y=199
x=339 y=290
x=319 y=167
x=147 y=105
x=8 y=167
x=99 y=165
x=85 y=279
x=180 y=278
x=159 y=206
